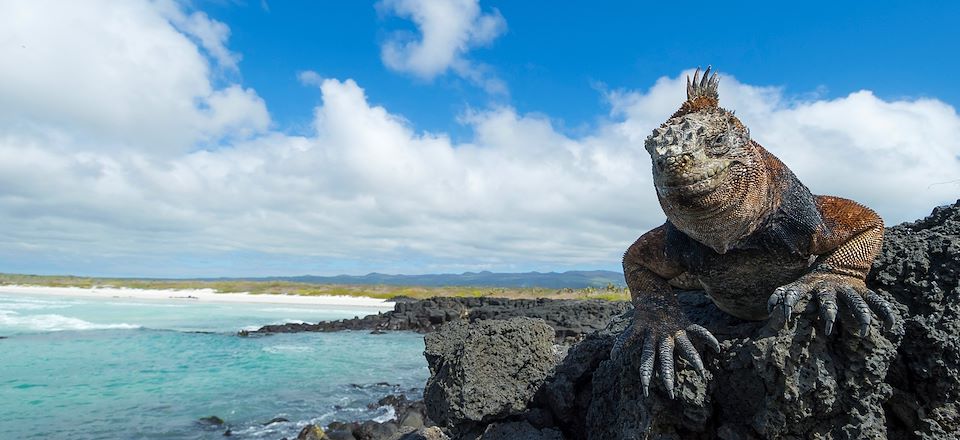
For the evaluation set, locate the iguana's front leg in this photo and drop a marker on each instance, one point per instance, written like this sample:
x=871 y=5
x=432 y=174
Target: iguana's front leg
x=658 y=320
x=846 y=244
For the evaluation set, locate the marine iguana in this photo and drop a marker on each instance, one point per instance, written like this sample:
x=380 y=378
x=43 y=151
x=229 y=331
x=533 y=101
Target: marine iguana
x=741 y=224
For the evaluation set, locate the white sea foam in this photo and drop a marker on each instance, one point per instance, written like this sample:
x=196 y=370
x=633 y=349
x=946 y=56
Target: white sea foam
x=271 y=431
x=277 y=349
x=388 y=415
x=21 y=303
x=33 y=306
x=53 y=323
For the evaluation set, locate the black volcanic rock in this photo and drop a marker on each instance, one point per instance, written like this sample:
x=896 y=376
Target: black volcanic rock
x=311 y=432
x=211 y=420
x=432 y=433
x=920 y=267
x=521 y=430
x=410 y=418
x=486 y=370
x=774 y=381
x=371 y=430
x=768 y=382
x=570 y=319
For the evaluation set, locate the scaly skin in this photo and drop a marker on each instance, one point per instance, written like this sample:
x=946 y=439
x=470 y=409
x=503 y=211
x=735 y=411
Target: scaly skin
x=741 y=225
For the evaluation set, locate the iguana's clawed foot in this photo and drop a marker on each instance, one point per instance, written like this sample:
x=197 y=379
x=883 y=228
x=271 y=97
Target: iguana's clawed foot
x=661 y=344
x=827 y=288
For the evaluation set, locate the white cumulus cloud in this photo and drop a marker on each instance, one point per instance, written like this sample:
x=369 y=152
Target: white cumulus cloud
x=448 y=30
x=117 y=180
x=118 y=75
x=211 y=34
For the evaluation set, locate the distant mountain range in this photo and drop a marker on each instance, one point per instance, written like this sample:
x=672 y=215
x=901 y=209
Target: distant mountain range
x=576 y=279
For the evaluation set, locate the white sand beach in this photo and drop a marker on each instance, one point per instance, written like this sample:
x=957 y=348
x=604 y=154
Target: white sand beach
x=198 y=295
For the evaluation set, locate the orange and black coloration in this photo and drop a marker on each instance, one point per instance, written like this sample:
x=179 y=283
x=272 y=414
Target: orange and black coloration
x=741 y=225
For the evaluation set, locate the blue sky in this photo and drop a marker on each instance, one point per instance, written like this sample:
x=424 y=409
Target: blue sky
x=555 y=55
x=219 y=138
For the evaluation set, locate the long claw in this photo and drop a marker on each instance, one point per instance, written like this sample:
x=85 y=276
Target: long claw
x=882 y=308
x=647 y=358
x=786 y=298
x=773 y=300
x=688 y=352
x=790 y=298
x=827 y=298
x=665 y=348
x=702 y=333
x=860 y=308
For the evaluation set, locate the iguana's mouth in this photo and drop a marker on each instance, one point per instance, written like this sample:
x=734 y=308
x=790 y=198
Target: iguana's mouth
x=700 y=184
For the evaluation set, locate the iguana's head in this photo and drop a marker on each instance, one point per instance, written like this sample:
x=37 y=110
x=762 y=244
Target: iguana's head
x=704 y=164
x=701 y=147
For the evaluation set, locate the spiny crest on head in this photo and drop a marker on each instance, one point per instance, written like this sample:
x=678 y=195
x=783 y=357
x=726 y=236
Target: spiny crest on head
x=703 y=88
x=701 y=93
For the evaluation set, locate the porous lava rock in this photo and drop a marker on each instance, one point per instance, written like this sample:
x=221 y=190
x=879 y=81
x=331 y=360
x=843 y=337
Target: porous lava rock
x=771 y=379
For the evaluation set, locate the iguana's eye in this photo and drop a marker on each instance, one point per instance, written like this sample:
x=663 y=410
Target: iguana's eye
x=718 y=145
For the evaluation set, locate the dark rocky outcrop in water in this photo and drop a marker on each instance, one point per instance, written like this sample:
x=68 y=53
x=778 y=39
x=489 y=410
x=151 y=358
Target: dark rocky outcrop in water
x=570 y=319
x=211 y=420
x=410 y=423
x=770 y=380
x=275 y=420
x=311 y=432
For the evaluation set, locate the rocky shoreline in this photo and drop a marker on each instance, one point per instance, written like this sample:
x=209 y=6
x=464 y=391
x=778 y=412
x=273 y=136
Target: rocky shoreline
x=410 y=417
x=570 y=319
x=496 y=379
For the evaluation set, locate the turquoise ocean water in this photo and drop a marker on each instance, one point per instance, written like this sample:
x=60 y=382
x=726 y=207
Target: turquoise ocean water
x=82 y=368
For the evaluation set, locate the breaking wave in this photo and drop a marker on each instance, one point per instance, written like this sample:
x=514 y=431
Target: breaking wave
x=52 y=323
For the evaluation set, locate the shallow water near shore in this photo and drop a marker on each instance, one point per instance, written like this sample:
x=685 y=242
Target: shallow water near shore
x=115 y=368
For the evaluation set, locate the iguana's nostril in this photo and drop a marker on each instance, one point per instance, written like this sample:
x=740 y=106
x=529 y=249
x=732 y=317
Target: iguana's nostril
x=676 y=162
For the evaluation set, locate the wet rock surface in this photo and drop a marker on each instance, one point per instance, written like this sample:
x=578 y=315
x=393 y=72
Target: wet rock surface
x=770 y=380
x=570 y=319
x=211 y=421
x=311 y=432
x=410 y=419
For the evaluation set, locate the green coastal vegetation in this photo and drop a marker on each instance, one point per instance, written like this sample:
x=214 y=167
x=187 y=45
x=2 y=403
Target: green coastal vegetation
x=610 y=292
